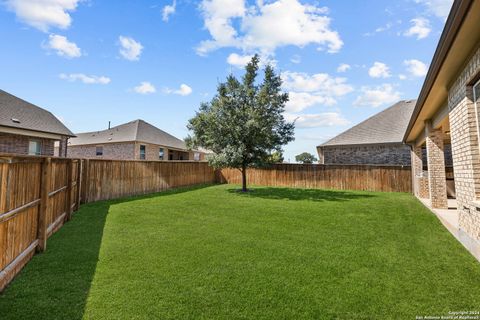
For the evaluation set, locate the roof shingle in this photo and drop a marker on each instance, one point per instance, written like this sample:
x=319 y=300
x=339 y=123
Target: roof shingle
x=387 y=126
x=18 y=113
x=137 y=130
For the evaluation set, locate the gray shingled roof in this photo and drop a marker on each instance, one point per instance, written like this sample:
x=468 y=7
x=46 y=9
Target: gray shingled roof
x=137 y=130
x=28 y=116
x=387 y=126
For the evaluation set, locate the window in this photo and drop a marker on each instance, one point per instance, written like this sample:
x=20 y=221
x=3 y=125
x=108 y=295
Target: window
x=99 y=151
x=34 y=148
x=142 y=152
x=196 y=156
x=161 y=153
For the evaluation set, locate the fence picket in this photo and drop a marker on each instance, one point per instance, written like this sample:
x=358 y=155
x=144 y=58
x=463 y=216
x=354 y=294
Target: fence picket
x=38 y=194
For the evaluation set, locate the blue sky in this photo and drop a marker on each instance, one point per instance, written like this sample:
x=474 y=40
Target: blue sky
x=92 y=61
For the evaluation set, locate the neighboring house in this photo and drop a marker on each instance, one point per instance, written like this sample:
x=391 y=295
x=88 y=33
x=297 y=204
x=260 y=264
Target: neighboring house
x=447 y=112
x=135 y=140
x=377 y=140
x=29 y=130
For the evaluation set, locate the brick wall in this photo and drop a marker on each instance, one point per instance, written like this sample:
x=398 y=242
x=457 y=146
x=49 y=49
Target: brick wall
x=423 y=189
x=393 y=154
x=447 y=150
x=152 y=152
x=465 y=149
x=436 y=168
x=12 y=143
x=120 y=151
x=126 y=151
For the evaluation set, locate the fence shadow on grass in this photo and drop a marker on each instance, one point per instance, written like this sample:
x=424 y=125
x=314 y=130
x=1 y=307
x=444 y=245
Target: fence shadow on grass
x=300 y=194
x=56 y=283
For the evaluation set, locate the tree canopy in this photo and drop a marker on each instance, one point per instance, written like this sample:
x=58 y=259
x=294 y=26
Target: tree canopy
x=305 y=157
x=243 y=125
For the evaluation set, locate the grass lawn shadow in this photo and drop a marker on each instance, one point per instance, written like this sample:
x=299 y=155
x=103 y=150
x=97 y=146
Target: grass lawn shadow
x=319 y=195
x=56 y=284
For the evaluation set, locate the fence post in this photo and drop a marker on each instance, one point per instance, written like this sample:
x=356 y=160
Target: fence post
x=68 y=195
x=42 y=213
x=79 y=183
x=85 y=178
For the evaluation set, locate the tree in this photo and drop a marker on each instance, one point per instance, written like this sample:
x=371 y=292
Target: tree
x=305 y=157
x=243 y=124
x=276 y=157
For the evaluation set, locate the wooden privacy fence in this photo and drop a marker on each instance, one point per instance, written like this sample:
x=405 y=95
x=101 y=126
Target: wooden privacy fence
x=111 y=179
x=341 y=177
x=37 y=196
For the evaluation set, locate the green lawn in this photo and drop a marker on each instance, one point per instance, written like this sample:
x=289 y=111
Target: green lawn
x=274 y=253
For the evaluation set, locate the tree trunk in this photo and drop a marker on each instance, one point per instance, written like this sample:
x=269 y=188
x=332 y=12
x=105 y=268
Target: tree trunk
x=244 y=179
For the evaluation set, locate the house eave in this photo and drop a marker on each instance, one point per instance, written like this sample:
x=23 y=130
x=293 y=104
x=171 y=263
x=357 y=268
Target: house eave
x=459 y=38
x=33 y=133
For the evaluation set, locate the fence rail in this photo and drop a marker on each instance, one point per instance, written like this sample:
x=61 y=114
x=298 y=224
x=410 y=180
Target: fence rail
x=340 y=177
x=39 y=194
x=111 y=179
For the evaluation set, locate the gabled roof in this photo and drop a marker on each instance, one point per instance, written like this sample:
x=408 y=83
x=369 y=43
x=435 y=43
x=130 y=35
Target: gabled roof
x=18 y=113
x=387 y=126
x=137 y=130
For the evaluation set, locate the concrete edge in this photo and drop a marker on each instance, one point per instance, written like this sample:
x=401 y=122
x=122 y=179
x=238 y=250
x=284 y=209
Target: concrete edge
x=472 y=245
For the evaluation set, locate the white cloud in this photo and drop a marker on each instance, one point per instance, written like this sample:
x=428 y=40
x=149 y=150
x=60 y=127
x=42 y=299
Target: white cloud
x=43 y=14
x=439 y=8
x=238 y=61
x=402 y=77
x=322 y=82
x=184 y=90
x=265 y=27
x=379 y=70
x=84 y=78
x=420 y=28
x=168 y=10
x=416 y=67
x=218 y=15
x=130 y=49
x=377 y=96
x=343 y=67
x=145 y=88
x=308 y=90
x=384 y=28
x=299 y=101
x=326 y=119
x=296 y=59
x=63 y=47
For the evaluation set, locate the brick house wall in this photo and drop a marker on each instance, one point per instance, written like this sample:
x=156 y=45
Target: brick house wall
x=12 y=143
x=381 y=154
x=127 y=151
x=447 y=152
x=465 y=149
x=120 y=151
x=152 y=152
